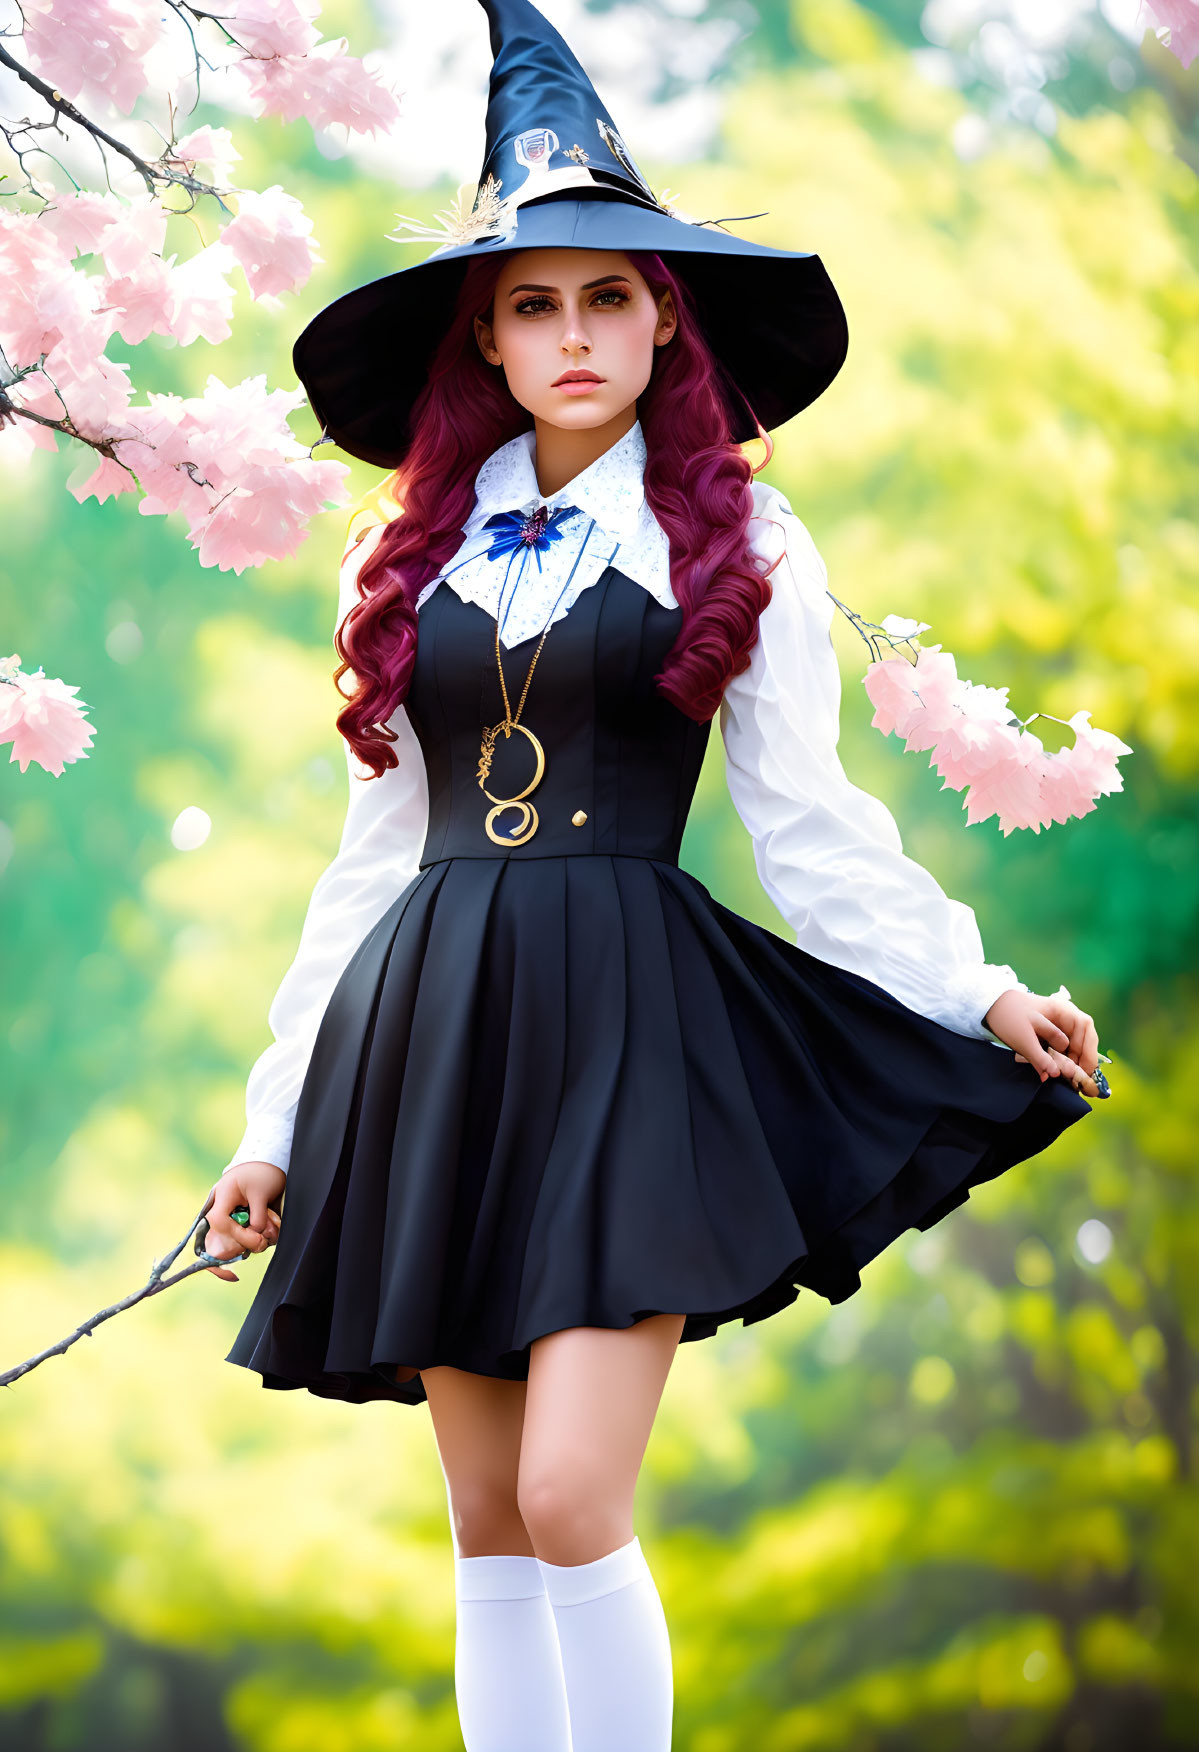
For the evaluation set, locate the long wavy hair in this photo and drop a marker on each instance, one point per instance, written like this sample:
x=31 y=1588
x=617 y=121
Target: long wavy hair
x=696 y=483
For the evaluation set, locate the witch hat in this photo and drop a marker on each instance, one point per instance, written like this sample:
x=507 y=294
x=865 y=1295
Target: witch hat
x=556 y=173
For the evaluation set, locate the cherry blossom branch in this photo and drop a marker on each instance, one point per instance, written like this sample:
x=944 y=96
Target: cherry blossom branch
x=228 y=458
x=875 y=634
x=151 y=175
x=978 y=744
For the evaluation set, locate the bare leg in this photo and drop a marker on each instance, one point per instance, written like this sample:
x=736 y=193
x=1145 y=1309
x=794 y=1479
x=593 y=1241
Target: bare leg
x=593 y=1393
x=551 y=1466
x=592 y=1398
x=477 y=1421
x=508 y=1678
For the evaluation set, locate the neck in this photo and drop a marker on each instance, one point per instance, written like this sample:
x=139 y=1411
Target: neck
x=561 y=454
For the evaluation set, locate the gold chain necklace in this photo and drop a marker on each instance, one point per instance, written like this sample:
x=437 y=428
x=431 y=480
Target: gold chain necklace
x=528 y=824
x=508 y=723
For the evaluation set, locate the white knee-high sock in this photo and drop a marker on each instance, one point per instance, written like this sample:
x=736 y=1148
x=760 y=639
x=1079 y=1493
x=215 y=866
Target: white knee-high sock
x=507 y=1669
x=615 y=1652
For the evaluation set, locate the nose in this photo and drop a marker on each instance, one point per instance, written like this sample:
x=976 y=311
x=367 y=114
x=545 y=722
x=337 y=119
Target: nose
x=575 y=338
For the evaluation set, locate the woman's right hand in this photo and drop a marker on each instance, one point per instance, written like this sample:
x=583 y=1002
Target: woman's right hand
x=258 y=1185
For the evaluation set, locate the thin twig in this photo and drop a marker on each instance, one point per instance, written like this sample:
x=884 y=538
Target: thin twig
x=151 y=1287
x=152 y=175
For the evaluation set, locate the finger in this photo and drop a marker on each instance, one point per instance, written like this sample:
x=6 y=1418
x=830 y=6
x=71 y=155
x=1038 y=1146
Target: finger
x=1050 y=1032
x=225 y=1195
x=1078 y=1034
x=1067 y=1016
x=1042 y=1061
x=229 y=1276
x=1074 y=1074
x=1089 y=1058
x=262 y=1220
x=242 y=1238
x=220 y=1244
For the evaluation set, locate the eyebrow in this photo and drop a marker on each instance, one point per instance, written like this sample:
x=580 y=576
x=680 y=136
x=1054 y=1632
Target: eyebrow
x=605 y=280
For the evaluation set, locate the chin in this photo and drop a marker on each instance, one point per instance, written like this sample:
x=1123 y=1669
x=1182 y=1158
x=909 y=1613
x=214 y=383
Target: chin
x=575 y=419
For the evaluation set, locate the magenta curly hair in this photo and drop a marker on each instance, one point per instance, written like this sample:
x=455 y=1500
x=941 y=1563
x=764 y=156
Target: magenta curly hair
x=696 y=484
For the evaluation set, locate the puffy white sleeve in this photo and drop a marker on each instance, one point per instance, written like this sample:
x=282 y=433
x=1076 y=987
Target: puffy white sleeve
x=381 y=841
x=828 y=853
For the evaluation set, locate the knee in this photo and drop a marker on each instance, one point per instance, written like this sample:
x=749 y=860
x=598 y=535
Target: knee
x=571 y=1512
x=487 y=1519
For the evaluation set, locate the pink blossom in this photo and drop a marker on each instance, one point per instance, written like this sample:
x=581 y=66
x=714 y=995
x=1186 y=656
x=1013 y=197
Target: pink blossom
x=19 y=441
x=43 y=723
x=202 y=296
x=93 y=51
x=78 y=220
x=144 y=301
x=108 y=480
x=209 y=146
x=1181 y=19
x=184 y=301
x=48 y=313
x=37 y=392
x=1094 y=756
x=231 y=463
x=326 y=85
x=139 y=230
x=978 y=747
x=35 y=271
x=1064 y=788
x=270 y=238
x=227 y=461
x=95 y=388
x=273 y=27
x=891 y=686
x=1010 y=788
x=965 y=726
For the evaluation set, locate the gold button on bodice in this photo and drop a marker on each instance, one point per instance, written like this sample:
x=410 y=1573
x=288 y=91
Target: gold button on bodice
x=579 y=817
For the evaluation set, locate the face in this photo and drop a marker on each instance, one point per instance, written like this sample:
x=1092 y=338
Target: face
x=561 y=312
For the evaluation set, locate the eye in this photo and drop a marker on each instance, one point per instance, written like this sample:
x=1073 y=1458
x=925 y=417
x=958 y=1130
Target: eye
x=529 y=305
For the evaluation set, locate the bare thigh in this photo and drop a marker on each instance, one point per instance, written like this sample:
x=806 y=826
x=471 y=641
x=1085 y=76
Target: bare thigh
x=593 y=1393
x=549 y=1467
x=477 y=1422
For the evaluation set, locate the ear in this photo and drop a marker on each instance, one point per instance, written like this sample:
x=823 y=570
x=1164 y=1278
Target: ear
x=667 y=320
x=486 y=340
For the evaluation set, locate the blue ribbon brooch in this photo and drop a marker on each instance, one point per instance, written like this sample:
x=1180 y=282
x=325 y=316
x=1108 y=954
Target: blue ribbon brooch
x=516 y=533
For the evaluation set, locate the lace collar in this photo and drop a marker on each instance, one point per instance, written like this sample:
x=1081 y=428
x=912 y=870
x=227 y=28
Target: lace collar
x=614 y=524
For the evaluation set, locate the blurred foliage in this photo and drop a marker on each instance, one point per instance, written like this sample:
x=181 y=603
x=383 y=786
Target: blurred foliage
x=958 y=1509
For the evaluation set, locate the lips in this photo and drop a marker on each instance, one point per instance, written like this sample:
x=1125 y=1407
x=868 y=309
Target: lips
x=577 y=377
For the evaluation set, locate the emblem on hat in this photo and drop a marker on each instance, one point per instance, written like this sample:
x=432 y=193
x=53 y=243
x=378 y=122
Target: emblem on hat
x=622 y=155
x=533 y=149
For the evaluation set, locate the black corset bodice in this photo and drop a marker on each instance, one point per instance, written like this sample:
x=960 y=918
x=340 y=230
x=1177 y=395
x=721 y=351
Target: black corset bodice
x=616 y=752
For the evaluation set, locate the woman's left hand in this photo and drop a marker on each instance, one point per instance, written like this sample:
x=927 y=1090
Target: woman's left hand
x=1050 y=1033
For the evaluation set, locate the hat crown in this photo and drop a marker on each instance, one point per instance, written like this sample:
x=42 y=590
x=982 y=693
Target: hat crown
x=546 y=127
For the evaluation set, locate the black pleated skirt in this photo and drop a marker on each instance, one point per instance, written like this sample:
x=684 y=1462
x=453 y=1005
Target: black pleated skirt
x=577 y=1091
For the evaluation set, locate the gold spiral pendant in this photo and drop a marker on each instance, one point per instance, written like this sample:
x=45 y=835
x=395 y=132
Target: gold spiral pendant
x=526 y=830
x=528 y=815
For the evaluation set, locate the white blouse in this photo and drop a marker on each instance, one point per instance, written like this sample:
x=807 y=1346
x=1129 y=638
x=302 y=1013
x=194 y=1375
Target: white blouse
x=828 y=853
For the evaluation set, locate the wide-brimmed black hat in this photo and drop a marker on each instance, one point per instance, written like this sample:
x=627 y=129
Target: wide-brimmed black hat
x=556 y=173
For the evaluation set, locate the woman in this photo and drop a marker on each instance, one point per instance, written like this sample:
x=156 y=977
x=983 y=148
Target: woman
x=542 y=1107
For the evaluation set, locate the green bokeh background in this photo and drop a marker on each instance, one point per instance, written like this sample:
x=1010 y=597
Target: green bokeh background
x=957 y=1510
